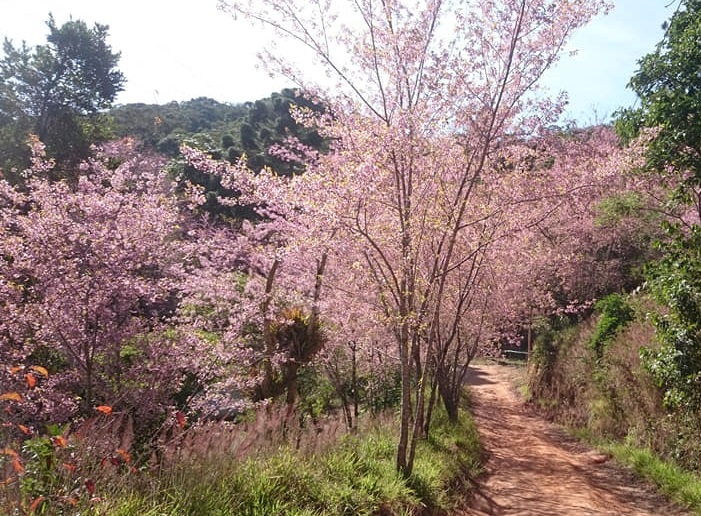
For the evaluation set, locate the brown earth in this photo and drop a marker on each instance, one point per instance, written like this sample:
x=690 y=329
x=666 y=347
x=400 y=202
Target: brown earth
x=535 y=468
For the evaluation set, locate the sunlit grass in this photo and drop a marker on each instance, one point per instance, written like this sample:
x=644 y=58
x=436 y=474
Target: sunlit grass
x=682 y=486
x=354 y=476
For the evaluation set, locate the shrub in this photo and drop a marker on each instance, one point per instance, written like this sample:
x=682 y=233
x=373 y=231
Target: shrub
x=615 y=313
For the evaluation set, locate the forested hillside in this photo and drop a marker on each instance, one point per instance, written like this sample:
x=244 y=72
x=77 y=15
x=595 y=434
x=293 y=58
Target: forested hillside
x=252 y=130
x=225 y=131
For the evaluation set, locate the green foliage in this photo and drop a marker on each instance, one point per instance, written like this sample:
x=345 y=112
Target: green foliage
x=317 y=395
x=680 y=485
x=675 y=282
x=250 y=128
x=612 y=209
x=224 y=131
x=669 y=87
x=154 y=124
x=53 y=359
x=129 y=353
x=57 y=91
x=668 y=84
x=383 y=391
x=628 y=123
x=615 y=312
x=553 y=338
x=52 y=481
x=40 y=472
x=448 y=459
x=632 y=249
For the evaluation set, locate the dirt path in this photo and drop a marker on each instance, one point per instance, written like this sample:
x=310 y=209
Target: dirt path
x=533 y=468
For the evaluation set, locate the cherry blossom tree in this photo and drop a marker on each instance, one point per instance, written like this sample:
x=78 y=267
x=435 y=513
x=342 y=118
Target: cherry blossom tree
x=427 y=93
x=89 y=279
x=255 y=291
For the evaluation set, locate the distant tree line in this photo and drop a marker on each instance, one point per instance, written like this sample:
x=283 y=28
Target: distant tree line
x=227 y=131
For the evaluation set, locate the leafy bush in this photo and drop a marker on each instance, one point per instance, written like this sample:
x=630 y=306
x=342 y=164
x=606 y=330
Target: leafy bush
x=675 y=282
x=615 y=313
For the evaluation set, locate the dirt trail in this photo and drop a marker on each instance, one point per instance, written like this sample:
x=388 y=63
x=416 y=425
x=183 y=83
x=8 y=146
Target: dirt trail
x=534 y=468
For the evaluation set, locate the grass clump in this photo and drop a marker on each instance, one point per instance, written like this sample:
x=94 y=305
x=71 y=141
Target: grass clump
x=680 y=485
x=447 y=461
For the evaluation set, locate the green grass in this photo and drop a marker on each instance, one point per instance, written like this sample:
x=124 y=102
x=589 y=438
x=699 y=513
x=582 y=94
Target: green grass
x=682 y=486
x=448 y=459
x=355 y=476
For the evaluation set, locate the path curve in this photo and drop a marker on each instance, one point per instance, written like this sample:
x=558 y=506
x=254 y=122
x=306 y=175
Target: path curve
x=533 y=468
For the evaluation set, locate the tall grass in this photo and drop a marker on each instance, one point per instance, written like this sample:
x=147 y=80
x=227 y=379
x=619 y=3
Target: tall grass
x=354 y=475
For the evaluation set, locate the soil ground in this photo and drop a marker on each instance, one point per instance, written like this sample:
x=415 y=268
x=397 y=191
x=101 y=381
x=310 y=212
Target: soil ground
x=534 y=468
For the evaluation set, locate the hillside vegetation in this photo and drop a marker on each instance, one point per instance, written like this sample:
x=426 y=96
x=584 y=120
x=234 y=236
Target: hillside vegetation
x=602 y=378
x=225 y=131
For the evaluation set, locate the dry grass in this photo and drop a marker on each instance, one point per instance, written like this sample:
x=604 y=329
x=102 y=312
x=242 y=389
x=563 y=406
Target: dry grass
x=95 y=462
x=261 y=467
x=266 y=429
x=613 y=396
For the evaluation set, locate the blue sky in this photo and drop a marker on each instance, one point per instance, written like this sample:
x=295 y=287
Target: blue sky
x=178 y=50
x=608 y=49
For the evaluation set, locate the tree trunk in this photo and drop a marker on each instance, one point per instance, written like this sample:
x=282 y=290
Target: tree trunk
x=347 y=414
x=265 y=388
x=451 y=401
x=431 y=403
x=405 y=419
x=354 y=384
x=417 y=431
